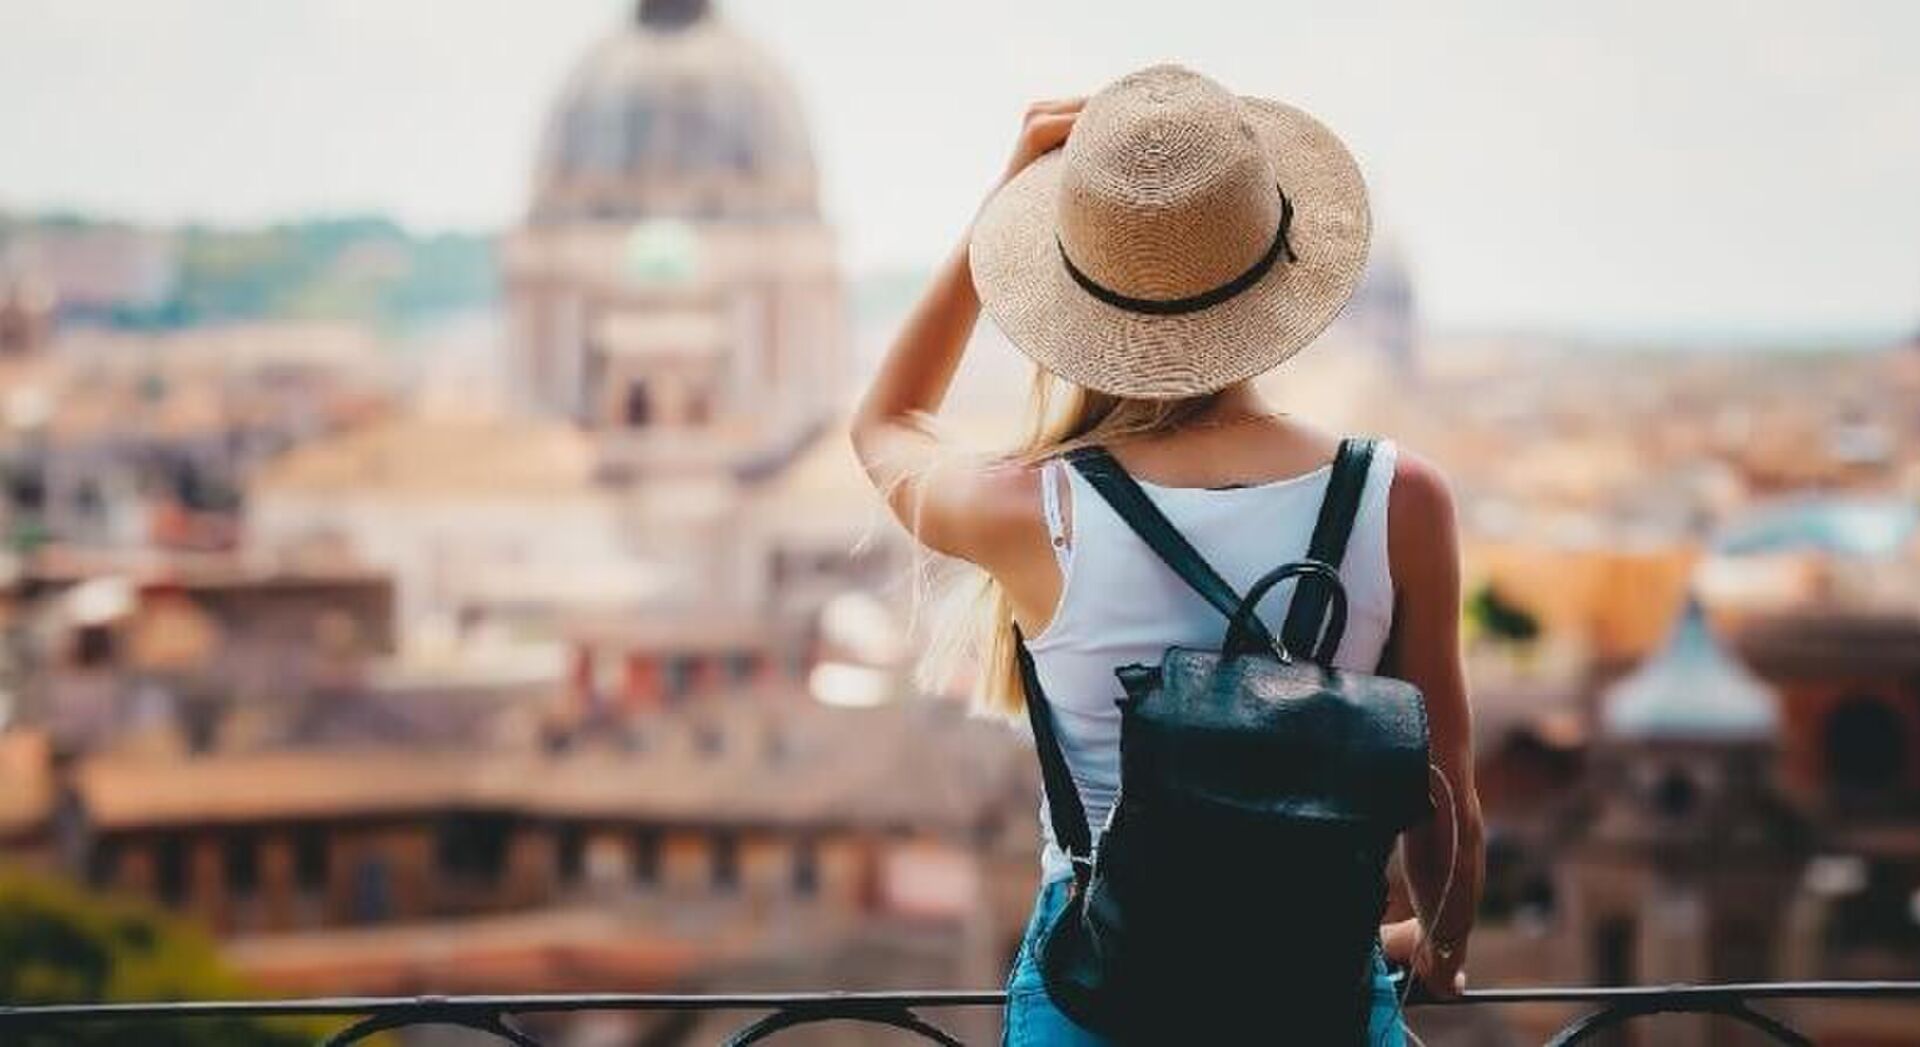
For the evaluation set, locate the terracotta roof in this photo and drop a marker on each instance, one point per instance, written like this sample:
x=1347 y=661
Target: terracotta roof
x=439 y=456
x=778 y=760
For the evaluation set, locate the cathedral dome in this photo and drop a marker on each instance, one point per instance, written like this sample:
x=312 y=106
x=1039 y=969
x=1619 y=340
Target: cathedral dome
x=675 y=115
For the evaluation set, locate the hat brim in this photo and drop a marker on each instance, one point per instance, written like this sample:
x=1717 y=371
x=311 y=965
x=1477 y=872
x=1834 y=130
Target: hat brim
x=1025 y=287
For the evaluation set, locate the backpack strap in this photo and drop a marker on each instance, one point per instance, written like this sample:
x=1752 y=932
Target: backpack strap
x=1121 y=491
x=1345 y=488
x=1065 y=812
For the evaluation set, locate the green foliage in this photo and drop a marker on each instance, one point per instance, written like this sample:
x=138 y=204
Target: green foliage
x=364 y=269
x=59 y=944
x=1500 y=620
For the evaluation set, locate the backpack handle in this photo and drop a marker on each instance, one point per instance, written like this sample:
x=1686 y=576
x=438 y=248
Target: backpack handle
x=1241 y=637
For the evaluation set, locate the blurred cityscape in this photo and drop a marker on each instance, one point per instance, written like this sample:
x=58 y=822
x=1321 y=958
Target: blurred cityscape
x=469 y=615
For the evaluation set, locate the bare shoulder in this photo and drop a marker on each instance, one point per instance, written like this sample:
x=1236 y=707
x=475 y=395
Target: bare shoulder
x=1004 y=493
x=1420 y=518
x=1421 y=493
x=986 y=510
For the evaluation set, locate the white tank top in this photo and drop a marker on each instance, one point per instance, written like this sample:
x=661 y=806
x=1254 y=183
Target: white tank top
x=1119 y=604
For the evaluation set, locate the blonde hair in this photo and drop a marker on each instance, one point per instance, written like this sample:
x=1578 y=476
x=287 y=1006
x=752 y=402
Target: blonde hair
x=970 y=632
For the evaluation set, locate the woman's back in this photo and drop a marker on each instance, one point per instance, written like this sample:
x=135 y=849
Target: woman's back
x=1153 y=249
x=1119 y=604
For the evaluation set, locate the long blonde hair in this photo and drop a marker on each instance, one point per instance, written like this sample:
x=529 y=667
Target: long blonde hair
x=970 y=632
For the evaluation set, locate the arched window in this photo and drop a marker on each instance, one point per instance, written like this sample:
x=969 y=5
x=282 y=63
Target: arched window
x=639 y=406
x=1866 y=745
x=1675 y=795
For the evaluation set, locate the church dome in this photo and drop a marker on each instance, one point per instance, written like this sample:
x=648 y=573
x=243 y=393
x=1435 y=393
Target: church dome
x=1691 y=690
x=675 y=115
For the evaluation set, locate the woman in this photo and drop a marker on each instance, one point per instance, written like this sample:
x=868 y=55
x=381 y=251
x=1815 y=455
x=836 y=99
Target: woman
x=1151 y=269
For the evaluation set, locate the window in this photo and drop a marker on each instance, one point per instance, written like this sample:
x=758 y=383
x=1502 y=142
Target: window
x=93 y=646
x=572 y=848
x=726 y=861
x=372 y=891
x=472 y=847
x=639 y=406
x=742 y=666
x=310 y=858
x=677 y=676
x=806 y=867
x=26 y=488
x=242 y=863
x=170 y=860
x=1864 y=745
x=646 y=856
x=1675 y=795
x=103 y=864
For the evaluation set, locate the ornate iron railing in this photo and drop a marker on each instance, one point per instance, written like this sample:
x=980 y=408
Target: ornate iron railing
x=495 y=1014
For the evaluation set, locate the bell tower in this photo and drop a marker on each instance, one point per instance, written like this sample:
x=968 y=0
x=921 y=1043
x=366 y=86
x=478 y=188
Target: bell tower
x=1689 y=855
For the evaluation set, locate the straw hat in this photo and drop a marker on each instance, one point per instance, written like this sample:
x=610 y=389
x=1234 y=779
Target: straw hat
x=1183 y=240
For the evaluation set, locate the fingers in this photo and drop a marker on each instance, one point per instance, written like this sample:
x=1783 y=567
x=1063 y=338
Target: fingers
x=1445 y=987
x=1047 y=132
x=1045 y=128
x=1056 y=105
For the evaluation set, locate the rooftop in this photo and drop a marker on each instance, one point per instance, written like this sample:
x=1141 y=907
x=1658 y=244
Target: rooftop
x=782 y=761
x=1691 y=689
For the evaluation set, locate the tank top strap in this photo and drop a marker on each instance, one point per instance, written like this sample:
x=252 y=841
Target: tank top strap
x=1051 y=478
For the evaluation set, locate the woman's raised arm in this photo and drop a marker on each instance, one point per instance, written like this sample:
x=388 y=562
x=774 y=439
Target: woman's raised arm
x=943 y=502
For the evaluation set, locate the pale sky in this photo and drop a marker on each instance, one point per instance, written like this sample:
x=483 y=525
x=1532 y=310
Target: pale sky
x=1638 y=166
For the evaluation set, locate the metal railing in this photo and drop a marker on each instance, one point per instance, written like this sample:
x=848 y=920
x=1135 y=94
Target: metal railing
x=496 y=1015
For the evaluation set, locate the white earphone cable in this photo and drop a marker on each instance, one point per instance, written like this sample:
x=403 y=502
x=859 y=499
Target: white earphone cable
x=1446 y=888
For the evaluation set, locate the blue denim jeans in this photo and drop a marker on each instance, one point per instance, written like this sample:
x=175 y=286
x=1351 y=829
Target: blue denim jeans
x=1033 y=1021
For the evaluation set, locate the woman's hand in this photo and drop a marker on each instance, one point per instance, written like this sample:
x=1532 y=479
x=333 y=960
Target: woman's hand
x=1441 y=971
x=1403 y=942
x=1044 y=129
x=949 y=507
x=1442 y=974
x=1398 y=940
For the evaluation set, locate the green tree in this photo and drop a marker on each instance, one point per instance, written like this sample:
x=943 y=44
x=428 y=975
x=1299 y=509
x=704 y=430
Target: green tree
x=1499 y=619
x=59 y=944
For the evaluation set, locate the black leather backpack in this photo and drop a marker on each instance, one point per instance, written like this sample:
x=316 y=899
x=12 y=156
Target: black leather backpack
x=1236 y=894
